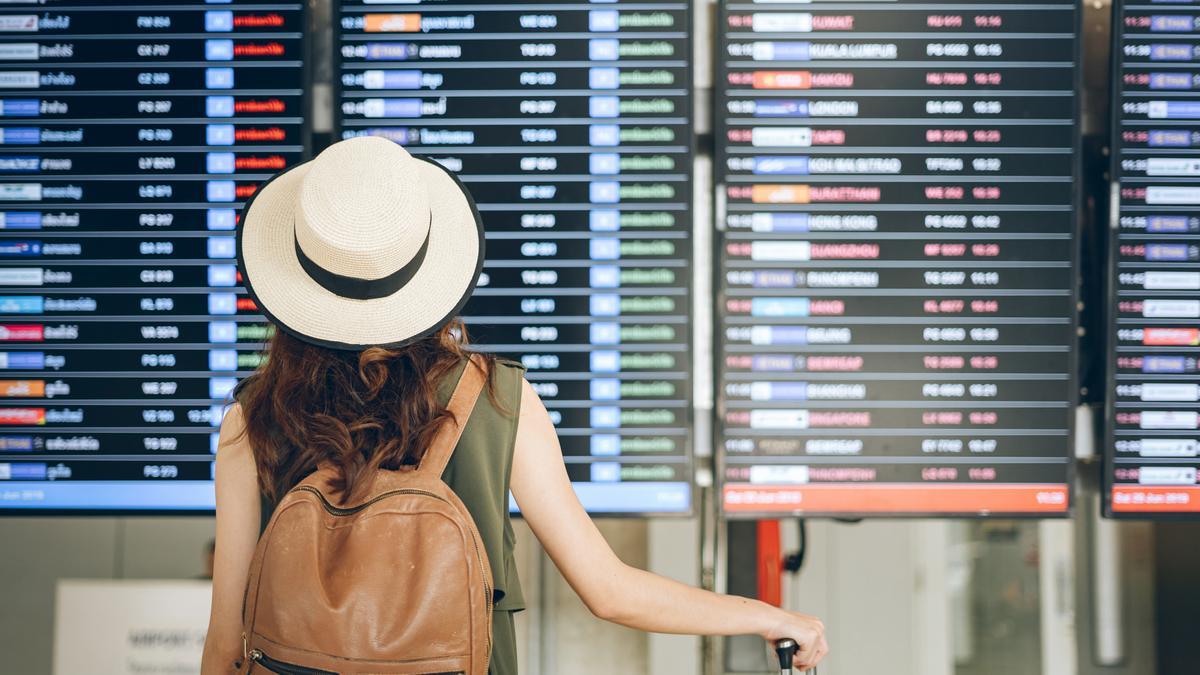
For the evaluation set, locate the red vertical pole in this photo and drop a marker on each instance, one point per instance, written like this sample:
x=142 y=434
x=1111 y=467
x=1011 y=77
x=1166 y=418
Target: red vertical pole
x=770 y=563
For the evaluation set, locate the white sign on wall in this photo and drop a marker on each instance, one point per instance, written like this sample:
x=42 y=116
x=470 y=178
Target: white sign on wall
x=121 y=627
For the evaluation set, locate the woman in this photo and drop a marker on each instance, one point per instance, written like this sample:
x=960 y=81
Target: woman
x=362 y=258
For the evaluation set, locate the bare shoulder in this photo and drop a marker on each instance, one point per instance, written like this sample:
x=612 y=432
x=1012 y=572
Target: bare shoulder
x=234 y=442
x=233 y=424
x=534 y=427
x=531 y=403
x=233 y=418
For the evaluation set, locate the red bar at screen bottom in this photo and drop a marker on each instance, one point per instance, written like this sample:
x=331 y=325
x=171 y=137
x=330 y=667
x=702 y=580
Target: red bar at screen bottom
x=896 y=498
x=1155 y=499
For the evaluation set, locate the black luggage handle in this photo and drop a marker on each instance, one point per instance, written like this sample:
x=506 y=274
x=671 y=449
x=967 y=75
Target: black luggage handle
x=785 y=649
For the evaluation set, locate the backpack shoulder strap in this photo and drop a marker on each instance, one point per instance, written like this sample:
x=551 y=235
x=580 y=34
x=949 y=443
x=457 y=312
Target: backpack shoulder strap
x=462 y=402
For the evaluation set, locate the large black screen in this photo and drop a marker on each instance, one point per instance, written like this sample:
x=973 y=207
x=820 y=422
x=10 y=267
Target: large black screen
x=896 y=282
x=570 y=124
x=1154 y=386
x=129 y=137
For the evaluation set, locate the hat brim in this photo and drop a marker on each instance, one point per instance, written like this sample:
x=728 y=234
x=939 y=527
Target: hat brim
x=296 y=303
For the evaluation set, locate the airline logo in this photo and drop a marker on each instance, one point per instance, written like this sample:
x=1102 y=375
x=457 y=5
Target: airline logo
x=19 y=51
x=19 y=23
x=392 y=23
x=22 y=388
x=16 y=444
x=13 y=332
x=1171 y=336
x=783 y=79
x=23 y=416
x=22 y=360
x=1169 y=447
x=19 y=79
x=1169 y=419
x=21 y=304
x=789 y=22
x=20 y=276
x=21 y=136
x=20 y=192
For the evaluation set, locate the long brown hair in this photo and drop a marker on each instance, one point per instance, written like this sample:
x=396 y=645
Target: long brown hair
x=360 y=411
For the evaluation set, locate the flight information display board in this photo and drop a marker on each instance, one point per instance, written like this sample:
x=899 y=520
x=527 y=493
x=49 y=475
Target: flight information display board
x=896 y=308
x=570 y=124
x=1153 y=440
x=129 y=137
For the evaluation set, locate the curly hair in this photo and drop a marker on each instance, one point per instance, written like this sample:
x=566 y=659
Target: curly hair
x=359 y=411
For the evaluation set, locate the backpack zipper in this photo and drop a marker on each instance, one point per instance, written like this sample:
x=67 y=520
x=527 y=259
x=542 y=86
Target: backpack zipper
x=281 y=668
x=340 y=511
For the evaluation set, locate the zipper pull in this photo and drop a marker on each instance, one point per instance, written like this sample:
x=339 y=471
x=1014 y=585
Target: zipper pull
x=245 y=647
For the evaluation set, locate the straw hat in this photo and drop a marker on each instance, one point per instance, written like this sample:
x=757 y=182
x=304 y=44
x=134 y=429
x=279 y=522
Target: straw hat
x=363 y=245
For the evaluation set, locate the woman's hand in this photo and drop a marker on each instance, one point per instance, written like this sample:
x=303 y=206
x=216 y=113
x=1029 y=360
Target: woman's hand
x=807 y=631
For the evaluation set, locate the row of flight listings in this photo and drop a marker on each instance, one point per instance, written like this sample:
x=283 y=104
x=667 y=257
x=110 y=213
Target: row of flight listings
x=896 y=227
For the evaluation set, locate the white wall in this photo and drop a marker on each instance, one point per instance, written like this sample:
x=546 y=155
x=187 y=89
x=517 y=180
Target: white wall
x=36 y=552
x=880 y=588
x=557 y=634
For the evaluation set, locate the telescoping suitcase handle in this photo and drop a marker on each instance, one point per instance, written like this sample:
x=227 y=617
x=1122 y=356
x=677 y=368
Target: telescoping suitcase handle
x=785 y=649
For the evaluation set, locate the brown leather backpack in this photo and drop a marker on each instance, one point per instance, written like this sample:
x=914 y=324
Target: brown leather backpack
x=397 y=582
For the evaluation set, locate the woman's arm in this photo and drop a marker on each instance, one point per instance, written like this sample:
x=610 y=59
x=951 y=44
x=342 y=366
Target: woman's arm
x=238 y=514
x=613 y=590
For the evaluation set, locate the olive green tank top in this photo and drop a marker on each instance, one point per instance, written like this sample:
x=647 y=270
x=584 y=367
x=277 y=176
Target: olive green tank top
x=480 y=469
x=479 y=472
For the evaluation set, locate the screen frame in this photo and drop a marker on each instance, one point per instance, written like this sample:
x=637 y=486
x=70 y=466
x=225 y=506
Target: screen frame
x=1111 y=287
x=720 y=71
x=306 y=141
x=692 y=461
